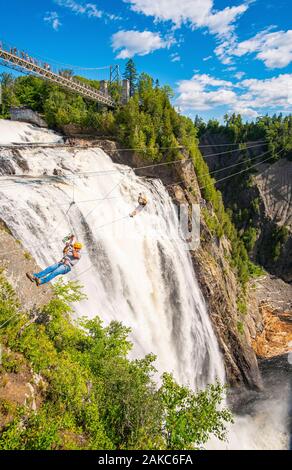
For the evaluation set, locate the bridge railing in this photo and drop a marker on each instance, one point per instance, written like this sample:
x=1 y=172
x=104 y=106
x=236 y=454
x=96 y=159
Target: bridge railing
x=21 y=60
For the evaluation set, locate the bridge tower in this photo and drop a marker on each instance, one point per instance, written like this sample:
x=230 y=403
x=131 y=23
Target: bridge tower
x=115 y=74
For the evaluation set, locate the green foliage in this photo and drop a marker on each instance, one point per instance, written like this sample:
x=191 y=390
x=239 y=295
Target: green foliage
x=131 y=75
x=278 y=237
x=190 y=417
x=11 y=362
x=250 y=237
x=61 y=108
x=241 y=305
x=240 y=327
x=8 y=95
x=234 y=127
x=32 y=431
x=276 y=130
x=27 y=255
x=93 y=396
x=255 y=204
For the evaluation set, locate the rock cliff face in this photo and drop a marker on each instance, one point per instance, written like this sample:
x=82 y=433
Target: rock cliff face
x=220 y=289
x=274 y=298
x=215 y=276
x=261 y=199
x=15 y=262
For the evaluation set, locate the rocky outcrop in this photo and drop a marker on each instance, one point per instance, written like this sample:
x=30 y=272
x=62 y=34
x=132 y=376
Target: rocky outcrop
x=274 y=301
x=273 y=184
x=19 y=386
x=15 y=261
x=25 y=114
x=261 y=199
x=276 y=337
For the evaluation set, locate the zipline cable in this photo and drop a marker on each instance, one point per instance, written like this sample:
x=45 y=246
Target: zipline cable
x=98 y=204
x=105 y=197
x=35 y=145
x=10 y=318
x=206 y=174
x=239 y=143
x=104 y=172
x=125 y=171
x=230 y=176
x=121 y=218
x=172 y=184
x=66 y=214
x=202 y=187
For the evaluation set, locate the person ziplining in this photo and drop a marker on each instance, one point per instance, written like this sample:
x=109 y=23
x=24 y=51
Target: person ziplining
x=72 y=254
x=142 y=201
x=71 y=257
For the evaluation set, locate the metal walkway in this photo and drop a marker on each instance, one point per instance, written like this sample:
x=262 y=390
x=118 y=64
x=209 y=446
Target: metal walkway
x=22 y=62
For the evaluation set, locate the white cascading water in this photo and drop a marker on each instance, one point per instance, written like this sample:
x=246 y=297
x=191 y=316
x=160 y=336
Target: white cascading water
x=136 y=271
x=137 y=274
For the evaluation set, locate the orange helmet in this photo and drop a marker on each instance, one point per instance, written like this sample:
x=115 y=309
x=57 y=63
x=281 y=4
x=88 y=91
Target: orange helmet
x=77 y=246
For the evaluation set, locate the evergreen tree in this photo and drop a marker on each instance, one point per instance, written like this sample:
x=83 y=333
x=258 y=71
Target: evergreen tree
x=131 y=75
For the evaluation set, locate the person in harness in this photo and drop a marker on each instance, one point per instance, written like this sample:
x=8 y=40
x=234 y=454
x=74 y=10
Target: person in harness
x=71 y=257
x=142 y=201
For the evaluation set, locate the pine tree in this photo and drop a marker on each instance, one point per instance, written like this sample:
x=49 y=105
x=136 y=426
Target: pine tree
x=131 y=75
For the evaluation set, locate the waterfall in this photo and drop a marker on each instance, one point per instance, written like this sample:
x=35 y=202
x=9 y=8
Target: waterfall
x=136 y=271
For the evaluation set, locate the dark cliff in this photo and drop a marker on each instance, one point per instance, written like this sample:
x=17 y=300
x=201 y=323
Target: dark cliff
x=260 y=200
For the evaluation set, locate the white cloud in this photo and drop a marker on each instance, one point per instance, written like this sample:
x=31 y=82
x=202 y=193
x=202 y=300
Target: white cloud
x=113 y=17
x=138 y=43
x=88 y=9
x=249 y=97
x=175 y=57
x=239 y=75
x=207 y=80
x=196 y=13
x=273 y=48
x=52 y=18
x=223 y=51
x=198 y=93
x=223 y=21
x=269 y=93
x=205 y=59
x=245 y=111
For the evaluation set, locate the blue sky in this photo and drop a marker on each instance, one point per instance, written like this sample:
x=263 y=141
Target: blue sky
x=218 y=55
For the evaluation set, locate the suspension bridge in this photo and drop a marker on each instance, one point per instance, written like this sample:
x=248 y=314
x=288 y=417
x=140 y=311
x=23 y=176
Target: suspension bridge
x=18 y=60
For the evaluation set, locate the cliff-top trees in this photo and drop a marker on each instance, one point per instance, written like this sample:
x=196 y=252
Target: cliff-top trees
x=131 y=75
